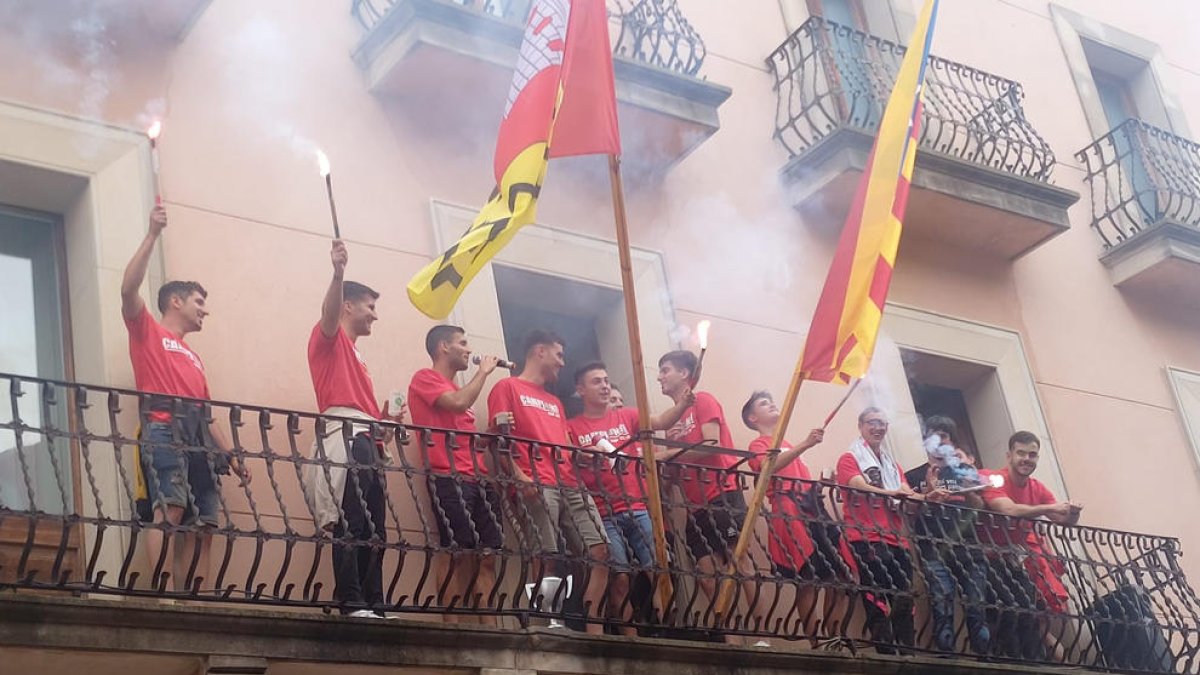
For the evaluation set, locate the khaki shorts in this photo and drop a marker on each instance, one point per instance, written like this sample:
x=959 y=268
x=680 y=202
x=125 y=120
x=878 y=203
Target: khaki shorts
x=571 y=513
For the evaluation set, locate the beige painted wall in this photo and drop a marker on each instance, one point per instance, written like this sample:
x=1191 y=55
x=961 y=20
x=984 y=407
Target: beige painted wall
x=248 y=219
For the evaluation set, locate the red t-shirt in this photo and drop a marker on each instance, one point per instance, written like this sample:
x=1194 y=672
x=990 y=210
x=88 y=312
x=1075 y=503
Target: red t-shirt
x=339 y=374
x=162 y=361
x=783 y=480
x=868 y=517
x=1045 y=571
x=423 y=392
x=538 y=415
x=789 y=543
x=1002 y=531
x=689 y=429
x=612 y=484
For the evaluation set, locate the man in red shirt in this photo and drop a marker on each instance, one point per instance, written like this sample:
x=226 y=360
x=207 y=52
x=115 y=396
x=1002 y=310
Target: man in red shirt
x=874 y=530
x=616 y=400
x=344 y=389
x=550 y=498
x=715 y=503
x=803 y=541
x=616 y=482
x=181 y=475
x=1023 y=496
x=465 y=501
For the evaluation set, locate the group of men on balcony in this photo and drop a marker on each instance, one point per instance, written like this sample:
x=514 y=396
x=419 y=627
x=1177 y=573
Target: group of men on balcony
x=551 y=495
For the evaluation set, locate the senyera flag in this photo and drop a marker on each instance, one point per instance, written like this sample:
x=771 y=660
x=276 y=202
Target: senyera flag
x=845 y=325
x=562 y=102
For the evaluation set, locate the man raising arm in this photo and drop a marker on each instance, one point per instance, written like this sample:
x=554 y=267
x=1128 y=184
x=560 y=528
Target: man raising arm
x=181 y=483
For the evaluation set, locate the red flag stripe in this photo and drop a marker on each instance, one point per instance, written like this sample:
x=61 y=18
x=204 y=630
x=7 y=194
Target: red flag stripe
x=586 y=121
x=879 y=282
x=822 y=341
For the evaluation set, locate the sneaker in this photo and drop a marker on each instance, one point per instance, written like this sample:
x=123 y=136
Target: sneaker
x=364 y=614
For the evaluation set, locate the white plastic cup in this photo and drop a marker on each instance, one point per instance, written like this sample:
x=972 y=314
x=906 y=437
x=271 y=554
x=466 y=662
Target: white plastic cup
x=395 y=401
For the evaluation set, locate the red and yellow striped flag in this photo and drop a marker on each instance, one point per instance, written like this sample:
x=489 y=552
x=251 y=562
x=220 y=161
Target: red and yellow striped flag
x=562 y=102
x=845 y=325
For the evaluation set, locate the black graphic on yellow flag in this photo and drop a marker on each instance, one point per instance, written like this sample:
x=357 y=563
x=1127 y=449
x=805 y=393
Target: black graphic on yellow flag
x=436 y=288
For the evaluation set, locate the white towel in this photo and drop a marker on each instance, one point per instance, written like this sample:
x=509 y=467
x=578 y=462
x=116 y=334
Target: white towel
x=323 y=491
x=889 y=472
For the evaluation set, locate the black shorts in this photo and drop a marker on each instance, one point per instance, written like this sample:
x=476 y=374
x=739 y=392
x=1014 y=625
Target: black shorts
x=715 y=528
x=468 y=513
x=826 y=562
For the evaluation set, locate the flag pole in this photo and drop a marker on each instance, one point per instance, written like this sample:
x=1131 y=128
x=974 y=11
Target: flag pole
x=725 y=595
x=639 y=382
x=841 y=403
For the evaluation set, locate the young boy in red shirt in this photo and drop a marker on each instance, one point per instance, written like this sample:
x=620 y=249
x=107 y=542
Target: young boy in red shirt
x=181 y=477
x=465 y=500
x=803 y=542
x=617 y=483
x=715 y=503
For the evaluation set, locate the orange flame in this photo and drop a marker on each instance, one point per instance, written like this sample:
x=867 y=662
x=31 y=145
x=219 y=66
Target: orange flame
x=322 y=163
x=702 y=332
x=154 y=130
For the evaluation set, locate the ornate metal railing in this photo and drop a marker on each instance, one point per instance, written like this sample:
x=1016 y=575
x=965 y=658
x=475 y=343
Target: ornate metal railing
x=830 y=77
x=371 y=12
x=654 y=32
x=1128 y=605
x=1140 y=176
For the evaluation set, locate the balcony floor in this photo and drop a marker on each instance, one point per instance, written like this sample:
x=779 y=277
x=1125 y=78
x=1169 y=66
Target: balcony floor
x=51 y=634
x=1162 y=260
x=952 y=201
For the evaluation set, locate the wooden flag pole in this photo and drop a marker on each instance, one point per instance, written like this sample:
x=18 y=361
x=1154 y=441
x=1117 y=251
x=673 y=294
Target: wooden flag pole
x=639 y=382
x=725 y=595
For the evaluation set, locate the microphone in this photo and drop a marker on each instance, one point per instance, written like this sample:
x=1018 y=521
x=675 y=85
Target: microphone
x=502 y=363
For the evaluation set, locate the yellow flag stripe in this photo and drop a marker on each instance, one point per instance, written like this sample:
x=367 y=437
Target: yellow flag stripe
x=436 y=288
x=879 y=233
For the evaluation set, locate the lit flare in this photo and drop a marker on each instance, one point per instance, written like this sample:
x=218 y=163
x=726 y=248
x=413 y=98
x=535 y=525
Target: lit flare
x=322 y=163
x=702 y=332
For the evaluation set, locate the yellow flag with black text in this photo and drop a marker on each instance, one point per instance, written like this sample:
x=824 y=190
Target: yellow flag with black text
x=562 y=88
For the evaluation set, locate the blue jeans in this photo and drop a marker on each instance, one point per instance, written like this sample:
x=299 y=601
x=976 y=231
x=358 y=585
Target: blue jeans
x=630 y=531
x=944 y=575
x=179 y=476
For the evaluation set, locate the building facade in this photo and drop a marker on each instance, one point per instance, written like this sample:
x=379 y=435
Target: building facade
x=1048 y=278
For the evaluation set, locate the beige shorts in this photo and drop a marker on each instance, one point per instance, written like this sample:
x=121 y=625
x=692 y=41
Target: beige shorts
x=559 y=511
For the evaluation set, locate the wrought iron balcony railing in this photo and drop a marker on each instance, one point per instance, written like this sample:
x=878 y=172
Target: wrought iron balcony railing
x=1140 y=176
x=654 y=32
x=1128 y=605
x=830 y=77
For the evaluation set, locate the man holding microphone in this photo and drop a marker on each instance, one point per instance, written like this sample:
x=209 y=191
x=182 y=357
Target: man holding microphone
x=464 y=498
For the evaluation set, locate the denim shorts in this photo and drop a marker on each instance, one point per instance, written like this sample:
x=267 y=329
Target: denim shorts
x=179 y=476
x=630 y=532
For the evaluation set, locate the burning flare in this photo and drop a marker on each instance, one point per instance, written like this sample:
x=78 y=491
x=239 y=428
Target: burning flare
x=702 y=332
x=996 y=480
x=322 y=163
x=154 y=130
